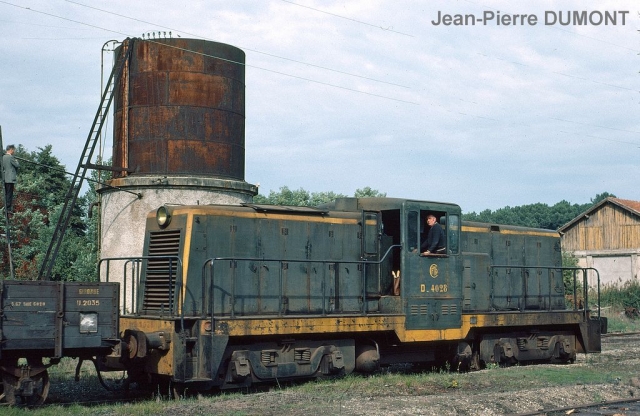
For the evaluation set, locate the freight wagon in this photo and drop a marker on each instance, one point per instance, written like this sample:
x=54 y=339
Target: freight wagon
x=43 y=321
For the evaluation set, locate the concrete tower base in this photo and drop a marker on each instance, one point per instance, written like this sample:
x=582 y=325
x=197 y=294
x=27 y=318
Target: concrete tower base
x=123 y=214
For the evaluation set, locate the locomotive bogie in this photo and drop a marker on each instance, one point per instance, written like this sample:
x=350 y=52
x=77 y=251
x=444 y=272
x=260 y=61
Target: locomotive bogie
x=512 y=348
x=286 y=360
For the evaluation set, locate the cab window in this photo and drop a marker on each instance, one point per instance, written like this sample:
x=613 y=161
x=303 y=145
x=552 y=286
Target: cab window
x=439 y=218
x=453 y=231
x=412 y=230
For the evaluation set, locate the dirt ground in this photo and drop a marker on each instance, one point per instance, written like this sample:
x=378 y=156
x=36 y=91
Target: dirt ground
x=480 y=395
x=497 y=391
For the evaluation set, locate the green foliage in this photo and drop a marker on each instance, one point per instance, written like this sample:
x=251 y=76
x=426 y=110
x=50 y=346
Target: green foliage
x=614 y=300
x=303 y=198
x=622 y=296
x=569 y=260
x=299 y=197
x=537 y=215
x=618 y=322
x=367 y=192
x=601 y=197
x=40 y=192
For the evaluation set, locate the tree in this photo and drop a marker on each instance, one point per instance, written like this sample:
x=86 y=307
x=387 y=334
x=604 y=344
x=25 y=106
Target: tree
x=42 y=186
x=600 y=197
x=367 y=192
x=536 y=215
x=301 y=197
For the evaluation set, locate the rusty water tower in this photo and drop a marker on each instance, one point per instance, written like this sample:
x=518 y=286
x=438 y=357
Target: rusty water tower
x=178 y=135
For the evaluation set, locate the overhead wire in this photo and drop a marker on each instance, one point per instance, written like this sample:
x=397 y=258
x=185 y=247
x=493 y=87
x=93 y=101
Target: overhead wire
x=564 y=30
x=469 y=114
x=554 y=72
x=282 y=73
x=387 y=29
x=307 y=79
x=324 y=83
x=571 y=76
x=223 y=59
x=240 y=46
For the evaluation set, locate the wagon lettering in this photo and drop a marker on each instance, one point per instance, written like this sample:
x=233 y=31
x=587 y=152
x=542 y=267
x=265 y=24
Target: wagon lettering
x=88 y=302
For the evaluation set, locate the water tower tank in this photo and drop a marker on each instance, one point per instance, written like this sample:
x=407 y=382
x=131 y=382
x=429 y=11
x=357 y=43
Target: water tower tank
x=180 y=110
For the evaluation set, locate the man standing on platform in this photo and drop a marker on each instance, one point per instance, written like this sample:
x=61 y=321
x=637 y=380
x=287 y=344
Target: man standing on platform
x=10 y=173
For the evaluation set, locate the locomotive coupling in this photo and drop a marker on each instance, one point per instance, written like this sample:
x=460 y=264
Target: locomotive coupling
x=136 y=344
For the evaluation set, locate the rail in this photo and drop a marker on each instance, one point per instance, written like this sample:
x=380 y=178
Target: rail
x=524 y=270
x=209 y=264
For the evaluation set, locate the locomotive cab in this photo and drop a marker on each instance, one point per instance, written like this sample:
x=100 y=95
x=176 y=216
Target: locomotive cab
x=429 y=285
x=432 y=283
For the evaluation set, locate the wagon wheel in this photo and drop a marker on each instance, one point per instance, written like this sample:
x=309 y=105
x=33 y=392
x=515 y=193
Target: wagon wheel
x=2 y=395
x=178 y=391
x=14 y=396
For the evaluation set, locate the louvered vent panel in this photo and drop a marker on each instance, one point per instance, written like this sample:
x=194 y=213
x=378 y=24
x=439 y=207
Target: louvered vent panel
x=160 y=280
x=453 y=309
x=418 y=309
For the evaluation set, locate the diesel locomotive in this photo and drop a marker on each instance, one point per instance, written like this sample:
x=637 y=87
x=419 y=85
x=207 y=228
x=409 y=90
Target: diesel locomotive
x=226 y=296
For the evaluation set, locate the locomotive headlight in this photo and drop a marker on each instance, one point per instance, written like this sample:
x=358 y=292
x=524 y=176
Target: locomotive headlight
x=163 y=216
x=88 y=323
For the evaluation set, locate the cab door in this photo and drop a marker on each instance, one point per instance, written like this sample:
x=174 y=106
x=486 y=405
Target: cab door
x=431 y=285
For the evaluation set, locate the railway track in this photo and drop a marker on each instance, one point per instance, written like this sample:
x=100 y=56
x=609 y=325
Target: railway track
x=610 y=407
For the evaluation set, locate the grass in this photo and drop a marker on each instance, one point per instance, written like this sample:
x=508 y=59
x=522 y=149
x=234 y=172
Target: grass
x=327 y=396
x=614 y=300
x=618 y=322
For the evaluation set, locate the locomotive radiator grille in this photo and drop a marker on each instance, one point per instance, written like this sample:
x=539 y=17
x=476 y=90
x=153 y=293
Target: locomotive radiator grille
x=161 y=272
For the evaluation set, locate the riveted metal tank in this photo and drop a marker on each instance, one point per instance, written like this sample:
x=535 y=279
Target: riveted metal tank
x=180 y=110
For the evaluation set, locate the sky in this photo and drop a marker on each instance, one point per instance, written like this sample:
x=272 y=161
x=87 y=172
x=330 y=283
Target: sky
x=342 y=95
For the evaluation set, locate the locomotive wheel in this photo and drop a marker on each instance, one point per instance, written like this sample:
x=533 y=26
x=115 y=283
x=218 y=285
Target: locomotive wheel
x=12 y=393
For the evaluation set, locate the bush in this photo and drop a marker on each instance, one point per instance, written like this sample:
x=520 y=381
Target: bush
x=569 y=260
x=620 y=297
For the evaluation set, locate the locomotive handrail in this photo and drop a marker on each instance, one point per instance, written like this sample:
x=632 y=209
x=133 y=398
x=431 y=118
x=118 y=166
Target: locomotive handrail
x=210 y=261
x=177 y=271
x=585 y=286
x=135 y=281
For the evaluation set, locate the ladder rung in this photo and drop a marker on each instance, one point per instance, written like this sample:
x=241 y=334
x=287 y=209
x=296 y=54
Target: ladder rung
x=81 y=171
